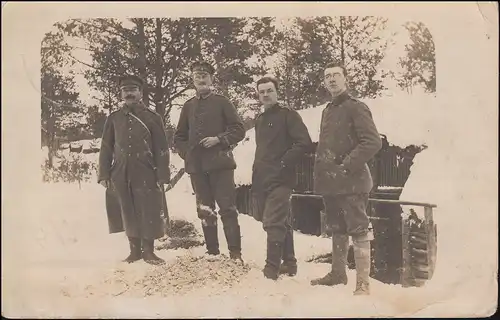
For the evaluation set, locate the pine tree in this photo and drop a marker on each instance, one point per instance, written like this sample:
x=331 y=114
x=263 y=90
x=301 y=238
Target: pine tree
x=419 y=64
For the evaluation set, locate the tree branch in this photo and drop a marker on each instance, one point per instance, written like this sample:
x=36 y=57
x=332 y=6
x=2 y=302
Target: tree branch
x=178 y=94
x=86 y=64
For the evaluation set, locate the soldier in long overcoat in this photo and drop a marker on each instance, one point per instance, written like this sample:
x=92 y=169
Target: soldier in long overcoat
x=348 y=140
x=282 y=139
x=208 y=128
x=134 y=167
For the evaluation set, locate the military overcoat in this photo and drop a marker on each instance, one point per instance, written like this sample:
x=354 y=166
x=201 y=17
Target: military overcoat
x=135 y=157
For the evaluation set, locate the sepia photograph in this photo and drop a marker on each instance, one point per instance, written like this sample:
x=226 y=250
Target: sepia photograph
x=252 y=163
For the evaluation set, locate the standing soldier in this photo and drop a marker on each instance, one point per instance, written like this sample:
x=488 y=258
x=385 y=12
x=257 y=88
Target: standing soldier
x=133 y=166
x=208 y=128
x=282 y=139
x=348 y=140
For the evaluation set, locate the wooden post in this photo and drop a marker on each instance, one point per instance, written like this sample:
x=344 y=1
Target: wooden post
x=406 y=273
x=430 y=228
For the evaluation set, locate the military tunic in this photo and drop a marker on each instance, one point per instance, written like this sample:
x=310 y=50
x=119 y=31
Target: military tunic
x=281 y=140
x=212 y=169
x=135 y=157
x=348 y=140
x=210 y=116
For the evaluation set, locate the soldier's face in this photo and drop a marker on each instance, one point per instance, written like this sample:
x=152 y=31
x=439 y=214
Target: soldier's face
x=267 y=93
x=202 y=80
x=131 y=94
x=334 y=80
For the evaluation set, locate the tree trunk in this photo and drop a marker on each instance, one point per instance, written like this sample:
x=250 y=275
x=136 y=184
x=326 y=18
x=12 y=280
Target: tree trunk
x=142 y=59
x=51 y=135
x=158 y=94
x=287 y=71
x=342 y=45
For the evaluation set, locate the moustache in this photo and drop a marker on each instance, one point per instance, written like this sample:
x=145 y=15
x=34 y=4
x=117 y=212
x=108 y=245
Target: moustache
x=130 y=97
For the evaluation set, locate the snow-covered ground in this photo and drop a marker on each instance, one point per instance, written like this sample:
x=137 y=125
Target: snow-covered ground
x=63 y=263
x=70 y=266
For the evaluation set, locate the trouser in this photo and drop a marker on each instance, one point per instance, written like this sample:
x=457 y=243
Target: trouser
x=347 y=214
x=217 y=187
x=273 y=209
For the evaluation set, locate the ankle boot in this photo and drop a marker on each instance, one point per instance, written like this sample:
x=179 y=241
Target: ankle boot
x=289 y=265
x=273 y=260
x=211 y=236
x=338 y=275
x=233 y=238
x=148 y=253
x=135 y=250
x=363 y=264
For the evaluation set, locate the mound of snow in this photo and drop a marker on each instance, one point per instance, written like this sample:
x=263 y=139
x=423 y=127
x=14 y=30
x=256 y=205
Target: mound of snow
x=189 y=273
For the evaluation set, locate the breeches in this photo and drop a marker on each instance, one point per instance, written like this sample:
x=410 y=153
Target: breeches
x=347 y=214
x=273 y=209
x=215 y=187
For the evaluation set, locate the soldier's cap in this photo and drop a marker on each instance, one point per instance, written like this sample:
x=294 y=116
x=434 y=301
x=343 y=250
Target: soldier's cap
x=130 y=80
x=202 y=66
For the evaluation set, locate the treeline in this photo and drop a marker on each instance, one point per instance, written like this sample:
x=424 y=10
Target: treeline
x=242 y=49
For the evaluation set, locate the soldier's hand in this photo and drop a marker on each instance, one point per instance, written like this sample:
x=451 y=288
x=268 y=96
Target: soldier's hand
x=105 y=183
x=209 y=142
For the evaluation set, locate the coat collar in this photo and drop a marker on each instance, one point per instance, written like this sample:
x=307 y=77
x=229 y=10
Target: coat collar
x=276 y=106
x=203 y=96
x=133 y=108
x=338 y=100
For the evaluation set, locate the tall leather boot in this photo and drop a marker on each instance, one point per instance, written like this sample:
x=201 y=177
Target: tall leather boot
x=233 y=238
x=273 y=260
x=148 y=253
x=211 y=237
x=289 y=265
x=135 y=250
x=363 y=264
x=338 y=275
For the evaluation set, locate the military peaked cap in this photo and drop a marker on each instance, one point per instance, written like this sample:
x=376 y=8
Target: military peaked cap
x=202 y=66
x=130 y=80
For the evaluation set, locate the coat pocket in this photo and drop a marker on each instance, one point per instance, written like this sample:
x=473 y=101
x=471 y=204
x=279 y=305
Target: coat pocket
x=221 y=160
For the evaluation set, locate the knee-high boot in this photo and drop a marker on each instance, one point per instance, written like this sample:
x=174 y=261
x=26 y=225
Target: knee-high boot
x=135 y=250
x=289 y=265
x=232 y=232
x=209 y=227
x=148 y=253
x=273 y=260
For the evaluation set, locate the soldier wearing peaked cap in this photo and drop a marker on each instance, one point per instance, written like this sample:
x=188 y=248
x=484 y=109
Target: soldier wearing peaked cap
x=203 y=66
x=130 y=80
x=133 y=162
x=208 y=128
